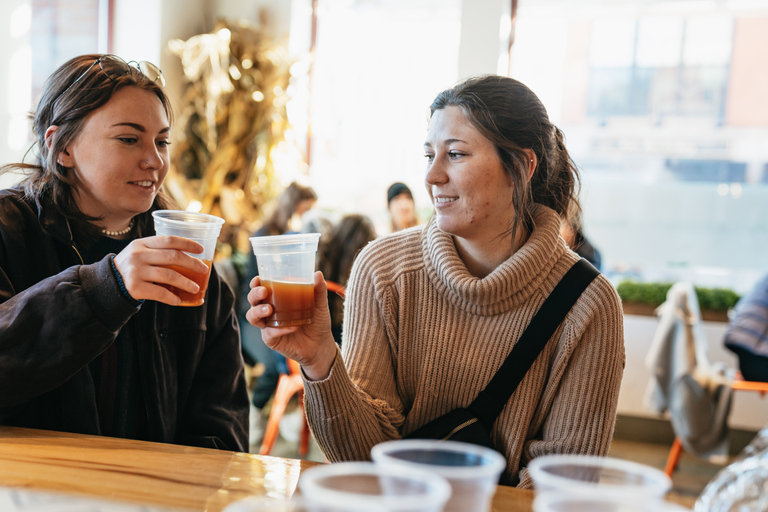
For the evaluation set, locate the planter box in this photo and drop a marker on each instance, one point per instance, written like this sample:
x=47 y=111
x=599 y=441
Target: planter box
x=643 y=309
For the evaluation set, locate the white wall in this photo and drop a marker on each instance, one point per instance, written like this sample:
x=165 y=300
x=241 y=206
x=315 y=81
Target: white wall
x=275 y=14
x=749 y=411
x=484 y=37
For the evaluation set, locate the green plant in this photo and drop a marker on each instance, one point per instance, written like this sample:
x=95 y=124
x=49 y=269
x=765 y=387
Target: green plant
x=654 y=294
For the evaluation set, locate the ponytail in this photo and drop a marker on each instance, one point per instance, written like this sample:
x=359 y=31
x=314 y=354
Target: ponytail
x=555 y=182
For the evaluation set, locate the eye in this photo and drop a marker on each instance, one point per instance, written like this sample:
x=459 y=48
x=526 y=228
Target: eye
x=455 y=154
x=128 y=140
x=164 y=143
x=429 y=157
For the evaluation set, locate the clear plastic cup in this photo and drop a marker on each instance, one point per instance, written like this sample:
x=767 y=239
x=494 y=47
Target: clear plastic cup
x=554 y=501
x=595 y=476
x=473 y=471
x=203 y=229
x=364 y=486
x=286 y=268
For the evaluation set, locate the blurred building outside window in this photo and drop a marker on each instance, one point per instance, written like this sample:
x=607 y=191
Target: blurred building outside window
x=665 y=110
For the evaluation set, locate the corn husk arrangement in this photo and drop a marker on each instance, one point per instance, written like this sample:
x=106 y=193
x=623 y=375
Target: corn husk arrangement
x=232 y=119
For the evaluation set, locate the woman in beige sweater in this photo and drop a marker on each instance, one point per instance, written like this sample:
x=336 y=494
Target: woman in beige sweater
x=432 y=312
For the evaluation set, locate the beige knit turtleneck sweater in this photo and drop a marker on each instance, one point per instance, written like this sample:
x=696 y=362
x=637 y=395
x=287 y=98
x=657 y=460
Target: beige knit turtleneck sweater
x=422 y=336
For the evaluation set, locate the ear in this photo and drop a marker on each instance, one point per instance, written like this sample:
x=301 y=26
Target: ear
x=63 y=158
x=533 y=161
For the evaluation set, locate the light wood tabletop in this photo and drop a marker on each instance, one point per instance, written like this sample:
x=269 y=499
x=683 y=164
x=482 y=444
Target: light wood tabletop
x=161 y=475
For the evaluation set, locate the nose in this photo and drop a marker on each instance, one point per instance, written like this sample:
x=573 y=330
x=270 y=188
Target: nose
x=152 y=158
x=436 y=171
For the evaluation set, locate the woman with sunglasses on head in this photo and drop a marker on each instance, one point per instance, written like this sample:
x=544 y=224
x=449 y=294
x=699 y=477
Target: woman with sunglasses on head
x=431 y=314
x=90 y=342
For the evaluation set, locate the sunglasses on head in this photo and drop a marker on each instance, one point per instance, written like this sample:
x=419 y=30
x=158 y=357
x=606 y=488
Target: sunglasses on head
x=115 y=67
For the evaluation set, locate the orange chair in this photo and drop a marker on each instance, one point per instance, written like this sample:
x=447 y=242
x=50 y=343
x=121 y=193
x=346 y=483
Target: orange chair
x=739 y=384
x=288 y=385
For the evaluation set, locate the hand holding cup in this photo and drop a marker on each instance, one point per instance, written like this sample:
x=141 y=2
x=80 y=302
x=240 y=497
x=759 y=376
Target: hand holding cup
x=197 y=227
x=174 y=266
x=311 y=345
x=153 y=266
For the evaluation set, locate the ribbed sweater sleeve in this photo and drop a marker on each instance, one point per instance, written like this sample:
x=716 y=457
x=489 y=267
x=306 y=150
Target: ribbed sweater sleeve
x=422 y=336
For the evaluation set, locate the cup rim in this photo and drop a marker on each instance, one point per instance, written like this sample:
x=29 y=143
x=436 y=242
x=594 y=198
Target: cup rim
x=313 y=492
x=270 y=240
x=497 y=462
x=547 y=498
x=659 y=483
x=209 y=219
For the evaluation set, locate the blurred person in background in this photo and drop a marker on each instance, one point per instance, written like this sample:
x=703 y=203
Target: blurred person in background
x=349 y=236
x=401 y=206
x=571 y=230
x=293 y=203
x=90 y=342
x=747 y=334
x=431 y=314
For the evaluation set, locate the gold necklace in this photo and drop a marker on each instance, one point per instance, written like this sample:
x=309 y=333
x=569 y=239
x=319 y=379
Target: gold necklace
x=118 y=233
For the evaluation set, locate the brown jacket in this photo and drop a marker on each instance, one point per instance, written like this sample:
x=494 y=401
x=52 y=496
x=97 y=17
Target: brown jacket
x=57 y=314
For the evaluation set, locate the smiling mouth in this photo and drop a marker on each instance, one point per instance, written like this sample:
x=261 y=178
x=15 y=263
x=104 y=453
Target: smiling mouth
x=443 y=200
x=145 y=184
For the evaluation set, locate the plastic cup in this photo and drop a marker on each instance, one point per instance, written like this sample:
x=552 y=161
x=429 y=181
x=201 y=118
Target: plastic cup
x=203 y=229
x=553 y=501
x=598 y=476
x=472 y=471
x=364 y=486
x=286 y=268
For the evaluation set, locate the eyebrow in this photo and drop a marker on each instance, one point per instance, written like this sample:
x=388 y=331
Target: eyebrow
x=446 y=142
x=139 y=127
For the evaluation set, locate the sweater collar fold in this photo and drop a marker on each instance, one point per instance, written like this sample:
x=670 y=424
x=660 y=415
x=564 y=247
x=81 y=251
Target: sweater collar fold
x=510 y=284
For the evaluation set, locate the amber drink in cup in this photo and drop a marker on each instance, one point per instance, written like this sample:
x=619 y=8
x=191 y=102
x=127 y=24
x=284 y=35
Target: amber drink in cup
x=286 y=267
x=203 y=229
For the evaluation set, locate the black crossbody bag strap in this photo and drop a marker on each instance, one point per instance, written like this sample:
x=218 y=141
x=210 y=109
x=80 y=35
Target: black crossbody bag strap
x=490 y=402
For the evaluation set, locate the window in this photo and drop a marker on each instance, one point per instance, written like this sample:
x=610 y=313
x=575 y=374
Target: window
x=42 y=35
x=660 y=66
x=379 y=64
x=59 y=31
x=665 y=110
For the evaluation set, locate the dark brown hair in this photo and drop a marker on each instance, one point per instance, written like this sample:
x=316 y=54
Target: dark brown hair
x=513 y=118
x=349 y=236
x=66 y=102
x=277 y=222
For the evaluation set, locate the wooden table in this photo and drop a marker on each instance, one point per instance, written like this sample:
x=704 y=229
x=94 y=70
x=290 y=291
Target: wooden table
x=156 y=474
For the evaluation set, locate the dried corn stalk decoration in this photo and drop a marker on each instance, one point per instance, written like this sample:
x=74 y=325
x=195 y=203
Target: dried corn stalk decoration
x=233 y=116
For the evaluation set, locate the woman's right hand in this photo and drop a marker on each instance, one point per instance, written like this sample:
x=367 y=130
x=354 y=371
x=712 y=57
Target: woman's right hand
x=311 y=345
x=144 y=266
